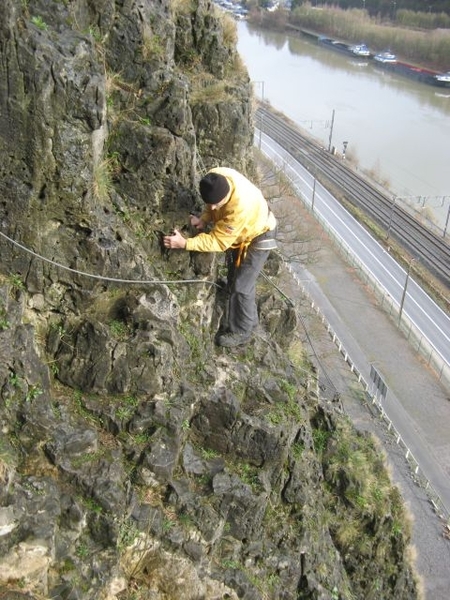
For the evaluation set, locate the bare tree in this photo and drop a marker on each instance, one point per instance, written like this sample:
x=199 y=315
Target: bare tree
x=299 y=238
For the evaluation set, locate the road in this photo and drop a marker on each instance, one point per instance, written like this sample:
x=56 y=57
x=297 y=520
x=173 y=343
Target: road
x=419 y=313
x=370 y=336
x=418 y=308
x=416 y=402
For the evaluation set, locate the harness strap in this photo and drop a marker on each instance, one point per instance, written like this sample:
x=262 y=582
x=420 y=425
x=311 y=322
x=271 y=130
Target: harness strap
x=264 y=244
x=243 y=247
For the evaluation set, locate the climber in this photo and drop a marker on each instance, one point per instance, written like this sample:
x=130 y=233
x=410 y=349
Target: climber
x=244 y=228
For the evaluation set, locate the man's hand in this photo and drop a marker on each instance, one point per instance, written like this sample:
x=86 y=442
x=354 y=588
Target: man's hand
x=176 y=240
x=197 y=222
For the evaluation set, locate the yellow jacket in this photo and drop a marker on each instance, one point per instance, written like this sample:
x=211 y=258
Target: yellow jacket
x=245 y=216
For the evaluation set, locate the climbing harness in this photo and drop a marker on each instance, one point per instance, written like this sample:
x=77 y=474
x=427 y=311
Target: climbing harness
x=241 y=252
x=257 y=244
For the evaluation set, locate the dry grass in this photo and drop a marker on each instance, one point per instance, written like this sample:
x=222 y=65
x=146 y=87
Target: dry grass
x=229 y=28
x=103 y=175
x=7 y=466
x=206 y=88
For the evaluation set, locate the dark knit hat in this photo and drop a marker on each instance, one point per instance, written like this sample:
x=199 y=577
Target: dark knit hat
x=213 y=188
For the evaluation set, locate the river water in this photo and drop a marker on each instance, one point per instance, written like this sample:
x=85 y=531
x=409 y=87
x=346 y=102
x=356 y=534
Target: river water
x=397 y=130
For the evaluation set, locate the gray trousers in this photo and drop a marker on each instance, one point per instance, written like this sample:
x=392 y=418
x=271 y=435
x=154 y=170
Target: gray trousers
x=242 y=311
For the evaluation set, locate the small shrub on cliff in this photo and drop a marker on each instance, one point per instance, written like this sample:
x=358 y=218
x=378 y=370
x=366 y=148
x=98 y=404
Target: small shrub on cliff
x=16 y=282
x=207 y=89
x=39 y=22
x=229 y=31
x=152 y=47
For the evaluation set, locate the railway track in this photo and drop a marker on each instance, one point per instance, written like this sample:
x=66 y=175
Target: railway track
x=431 y=250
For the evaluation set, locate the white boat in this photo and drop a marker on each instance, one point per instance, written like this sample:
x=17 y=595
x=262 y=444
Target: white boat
x=356 y=50
x=385 y=57
x=443 y=79
x=360 y=50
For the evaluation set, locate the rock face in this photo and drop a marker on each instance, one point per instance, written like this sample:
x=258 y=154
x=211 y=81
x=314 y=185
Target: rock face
x=136 y=459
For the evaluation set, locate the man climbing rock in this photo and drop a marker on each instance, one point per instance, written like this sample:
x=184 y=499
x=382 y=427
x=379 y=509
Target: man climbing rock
x=244 y=227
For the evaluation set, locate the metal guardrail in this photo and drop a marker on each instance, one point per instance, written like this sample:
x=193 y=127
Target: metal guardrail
x=412 y=333
x=373 y=401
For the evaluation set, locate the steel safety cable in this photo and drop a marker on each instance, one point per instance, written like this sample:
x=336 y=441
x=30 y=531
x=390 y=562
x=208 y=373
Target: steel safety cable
x=102 y=277
x=161 y=282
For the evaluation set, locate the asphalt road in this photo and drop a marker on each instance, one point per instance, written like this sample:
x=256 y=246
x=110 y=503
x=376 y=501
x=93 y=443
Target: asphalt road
x=417 y=401
x=434 y=324
x=430 y=322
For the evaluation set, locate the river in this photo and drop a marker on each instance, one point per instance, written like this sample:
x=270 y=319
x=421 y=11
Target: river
x=397 y=130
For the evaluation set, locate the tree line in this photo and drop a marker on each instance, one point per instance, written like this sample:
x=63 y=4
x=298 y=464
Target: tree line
x=383 y=8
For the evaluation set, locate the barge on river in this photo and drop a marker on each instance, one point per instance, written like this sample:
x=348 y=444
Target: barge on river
x=355 y=50
x=387 y=60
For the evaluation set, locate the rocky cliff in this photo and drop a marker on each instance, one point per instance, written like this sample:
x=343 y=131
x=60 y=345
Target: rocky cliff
x=137 y=460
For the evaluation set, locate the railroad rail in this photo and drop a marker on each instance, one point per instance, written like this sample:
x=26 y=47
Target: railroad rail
x=431 y=250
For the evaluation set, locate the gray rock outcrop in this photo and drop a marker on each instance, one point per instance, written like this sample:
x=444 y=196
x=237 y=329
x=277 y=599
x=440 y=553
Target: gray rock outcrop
x=136 y=459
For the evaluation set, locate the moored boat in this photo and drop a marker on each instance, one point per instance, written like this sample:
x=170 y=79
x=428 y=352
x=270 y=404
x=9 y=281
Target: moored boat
x=355 y=50
x=442 y=79
x=388 y=61
x=414 y=72
x=385 y=57
x=360 y=50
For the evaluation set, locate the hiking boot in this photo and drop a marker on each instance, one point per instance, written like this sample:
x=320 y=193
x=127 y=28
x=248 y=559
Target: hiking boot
x=230 y=340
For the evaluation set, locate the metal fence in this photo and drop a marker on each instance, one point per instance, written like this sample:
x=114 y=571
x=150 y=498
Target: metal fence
x=412 y=333
x=373 y=401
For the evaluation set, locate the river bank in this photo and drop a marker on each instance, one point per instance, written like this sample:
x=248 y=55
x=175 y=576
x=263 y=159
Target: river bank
x=427 y=48
x=385 y=60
